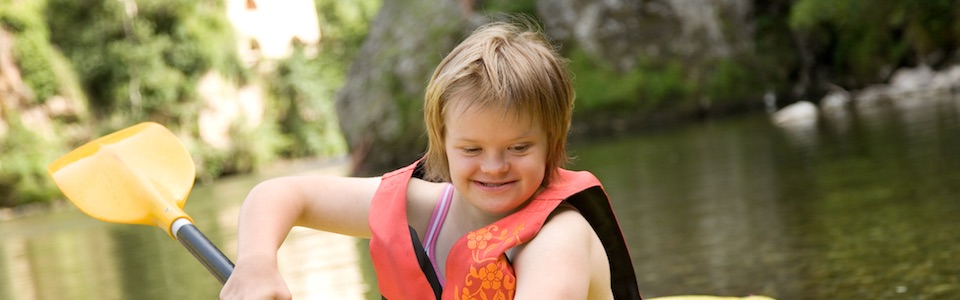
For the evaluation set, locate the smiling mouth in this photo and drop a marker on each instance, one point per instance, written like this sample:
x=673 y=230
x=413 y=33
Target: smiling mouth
x=490 y=184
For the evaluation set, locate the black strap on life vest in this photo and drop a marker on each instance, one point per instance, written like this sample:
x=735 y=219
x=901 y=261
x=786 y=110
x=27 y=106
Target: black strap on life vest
x=425 y=265
x=595 y=207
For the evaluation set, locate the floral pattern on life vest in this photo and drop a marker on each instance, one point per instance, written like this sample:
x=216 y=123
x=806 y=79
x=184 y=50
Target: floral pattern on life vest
x=491 y=276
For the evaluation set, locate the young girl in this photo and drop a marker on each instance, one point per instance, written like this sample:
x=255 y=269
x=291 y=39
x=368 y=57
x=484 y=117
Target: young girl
x=486 y=214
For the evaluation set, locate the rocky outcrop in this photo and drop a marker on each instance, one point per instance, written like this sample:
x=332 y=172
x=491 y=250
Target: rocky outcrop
x=33 y=130
x=35 y=115
x=12 y=88
x=380 y=103
x=267 y=29
x=911 y=83
x=622 y=31
x=226 y=106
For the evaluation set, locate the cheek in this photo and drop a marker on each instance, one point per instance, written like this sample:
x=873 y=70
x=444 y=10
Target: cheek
x=528 y=164
x=537 y=171
x=458 y=166
x=537 y=167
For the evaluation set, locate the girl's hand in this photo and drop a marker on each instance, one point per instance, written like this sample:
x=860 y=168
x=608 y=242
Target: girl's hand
x=256 y=279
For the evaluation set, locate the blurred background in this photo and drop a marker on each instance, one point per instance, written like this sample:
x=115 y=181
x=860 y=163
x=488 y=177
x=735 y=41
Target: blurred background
x=799 y=149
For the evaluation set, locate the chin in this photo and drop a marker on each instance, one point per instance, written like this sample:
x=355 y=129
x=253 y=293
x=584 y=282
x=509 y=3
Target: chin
x=505 y=207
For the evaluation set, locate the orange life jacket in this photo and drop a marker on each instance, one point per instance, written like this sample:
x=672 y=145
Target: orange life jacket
x=478 y=267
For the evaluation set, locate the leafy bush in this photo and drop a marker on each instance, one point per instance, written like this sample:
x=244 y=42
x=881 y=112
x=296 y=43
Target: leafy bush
x=303 y=86
x=862 y=40
x=528 y=7
x=645 y=87
x=31 y=51
x=304 y=90
x=142 y=58
x=23 y=157
x=731 y=80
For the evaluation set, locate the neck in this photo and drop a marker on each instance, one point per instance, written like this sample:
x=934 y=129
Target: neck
x=471 y=217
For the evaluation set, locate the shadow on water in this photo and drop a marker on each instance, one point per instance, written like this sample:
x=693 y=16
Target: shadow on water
x=857 y=207
x=147 y=257
x=863 y=207
x=67 y=255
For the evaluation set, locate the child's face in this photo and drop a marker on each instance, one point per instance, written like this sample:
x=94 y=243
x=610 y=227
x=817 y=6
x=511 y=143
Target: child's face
x=497 y=160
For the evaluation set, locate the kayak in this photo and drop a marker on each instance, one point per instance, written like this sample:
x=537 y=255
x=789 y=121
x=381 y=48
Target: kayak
x=705 y=297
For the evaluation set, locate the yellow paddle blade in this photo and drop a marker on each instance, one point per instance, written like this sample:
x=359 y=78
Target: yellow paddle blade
x=138 y=175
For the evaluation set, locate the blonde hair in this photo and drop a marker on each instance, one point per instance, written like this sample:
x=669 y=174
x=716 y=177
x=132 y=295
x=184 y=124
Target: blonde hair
x=510 y=67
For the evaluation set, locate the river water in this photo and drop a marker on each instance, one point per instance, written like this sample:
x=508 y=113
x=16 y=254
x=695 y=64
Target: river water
x=862 y=205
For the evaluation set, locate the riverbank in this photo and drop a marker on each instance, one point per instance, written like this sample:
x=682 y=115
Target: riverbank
x=31 y=209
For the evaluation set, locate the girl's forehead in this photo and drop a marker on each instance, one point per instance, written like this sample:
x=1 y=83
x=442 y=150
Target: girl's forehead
x=490 y=125
x=486 y=112
x=460 y=106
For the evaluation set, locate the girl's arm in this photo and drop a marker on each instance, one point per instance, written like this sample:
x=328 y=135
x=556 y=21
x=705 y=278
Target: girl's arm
x=564 y=261
x=273 y=207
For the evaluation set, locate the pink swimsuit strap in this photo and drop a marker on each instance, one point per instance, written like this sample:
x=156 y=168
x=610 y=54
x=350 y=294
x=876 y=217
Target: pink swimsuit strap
x=433 y=228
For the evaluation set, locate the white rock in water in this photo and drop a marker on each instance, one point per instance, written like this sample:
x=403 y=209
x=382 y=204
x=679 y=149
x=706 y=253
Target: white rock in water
x=801 y=112
x=910 y=80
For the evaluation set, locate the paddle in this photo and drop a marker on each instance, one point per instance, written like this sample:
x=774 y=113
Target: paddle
x=138 y=175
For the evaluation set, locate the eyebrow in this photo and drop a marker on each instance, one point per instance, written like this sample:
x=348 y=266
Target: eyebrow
x=524 y=136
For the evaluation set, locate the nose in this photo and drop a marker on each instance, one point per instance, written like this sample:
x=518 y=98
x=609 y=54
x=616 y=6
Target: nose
x=494 y=164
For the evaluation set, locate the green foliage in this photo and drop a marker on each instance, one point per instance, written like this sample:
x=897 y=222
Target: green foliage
x=730 y=80
x=304 y=86
x=860 y=38
x=24 y=151
x=33 y=55
x=599 y=87
x=23 y=156
x=251 y=149
x=254 y=147
x=647 y=86
x=304 y=90
x=20 y=16
x=344 y=26
x=31 y=51
x=665 y=83
x=528 y=7
x=660 y=84
x=777 y=59
x=142 y=58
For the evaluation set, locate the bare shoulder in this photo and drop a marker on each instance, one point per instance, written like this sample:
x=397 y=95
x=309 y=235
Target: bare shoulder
x=565 y=235
x=422 y=197
x=565 y=259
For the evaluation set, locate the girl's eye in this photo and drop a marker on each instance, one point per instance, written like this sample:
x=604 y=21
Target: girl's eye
x=471 y=150
x=520 y=148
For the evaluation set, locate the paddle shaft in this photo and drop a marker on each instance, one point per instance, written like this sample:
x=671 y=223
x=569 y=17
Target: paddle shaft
x=205 y=251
